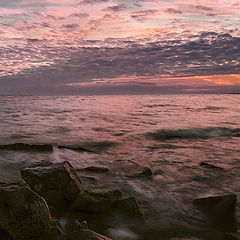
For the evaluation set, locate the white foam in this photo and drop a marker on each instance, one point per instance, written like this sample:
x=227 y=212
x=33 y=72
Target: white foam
x=122 y=234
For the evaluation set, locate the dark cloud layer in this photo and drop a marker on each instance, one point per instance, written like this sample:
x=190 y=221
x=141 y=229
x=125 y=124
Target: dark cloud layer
x=209 y=54
x=173 y=11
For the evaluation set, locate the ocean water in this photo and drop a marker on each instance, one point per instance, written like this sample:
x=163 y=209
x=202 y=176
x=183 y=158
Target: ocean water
x=170 y=134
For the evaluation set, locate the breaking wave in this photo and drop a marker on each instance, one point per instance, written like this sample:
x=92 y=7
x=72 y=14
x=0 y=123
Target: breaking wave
x=194 y=133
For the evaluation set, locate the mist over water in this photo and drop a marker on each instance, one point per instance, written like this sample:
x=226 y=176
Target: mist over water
x=171 y=134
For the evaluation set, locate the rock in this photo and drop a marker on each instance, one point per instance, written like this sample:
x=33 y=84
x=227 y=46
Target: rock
x=58 y=183
x=132 y=169
x=210 y=166
x=97 y=200
x=76 y=225
x=130 y=205
x=4 y=236
x=24 y=215
x=43 y=163
x=145 y=172
x=220 y=206
x=188 y=238
x=232 y=236
x=80 y=231
x=27 y=147
x=95 y=169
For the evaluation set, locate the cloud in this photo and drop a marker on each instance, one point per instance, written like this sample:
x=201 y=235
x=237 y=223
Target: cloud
x=236 y=4
x=117 y=8
x=71 y=25
x=210 y=54
x=204 y=8
x=52 y=43
x=142 y=15
x=173 y=11
x=93 y=1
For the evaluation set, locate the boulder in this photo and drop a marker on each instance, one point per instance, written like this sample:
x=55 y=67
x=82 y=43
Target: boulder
x=143 y=172
x=232 y=236
x=95 y=169
x=219 y=206
x=24 y=215
x=4 y=236
x=27 y=147
x=131 y=206
x=132 y=169
x=58 y=183
x=97 y=200
x=80 y=231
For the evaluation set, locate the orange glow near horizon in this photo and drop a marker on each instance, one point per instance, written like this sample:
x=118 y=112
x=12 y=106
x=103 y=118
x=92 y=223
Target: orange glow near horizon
x=230 y=79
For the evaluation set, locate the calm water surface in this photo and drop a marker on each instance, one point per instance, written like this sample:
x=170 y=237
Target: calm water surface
x=171 y=134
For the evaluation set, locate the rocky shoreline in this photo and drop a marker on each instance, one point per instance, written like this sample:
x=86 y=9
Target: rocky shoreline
x=28 y=207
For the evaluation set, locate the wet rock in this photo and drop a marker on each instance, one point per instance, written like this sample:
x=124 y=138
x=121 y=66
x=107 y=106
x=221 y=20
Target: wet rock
x=4 y=236
x=86 y=180
x=97 y=200
x=27 y=147
x=188 y=238
x=132 y=169
x=138 y=171
x=80 y=231
x=220 y=206
x=95 y=169
x=43 y=163
x=24 y=214
x=130 y=205
x=58 y=183
x=231 y=236
x=210 y=166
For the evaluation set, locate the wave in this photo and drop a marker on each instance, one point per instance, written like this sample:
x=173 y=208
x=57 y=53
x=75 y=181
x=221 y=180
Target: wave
x=211 y=108
x=91 y=147
x=194 y=133
x=160 y=105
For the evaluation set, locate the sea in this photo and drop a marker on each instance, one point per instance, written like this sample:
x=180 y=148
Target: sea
x=169 y=134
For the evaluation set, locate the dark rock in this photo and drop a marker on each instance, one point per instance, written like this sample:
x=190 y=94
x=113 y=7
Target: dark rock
x=80 y=231
x=27 y=147
x=95 y=169
x=43 y=163
x=130 y=205
x=132 y=169
x=97 y=200
x=220 y=206
x=88 y=180
x=24 y=215
x=58 y=183
x=4 y=236
x=138 y=171
x=76 y=225
x=210 y=166
x=232 y=236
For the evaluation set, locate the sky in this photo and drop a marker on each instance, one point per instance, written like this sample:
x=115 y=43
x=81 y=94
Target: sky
x=119 y=46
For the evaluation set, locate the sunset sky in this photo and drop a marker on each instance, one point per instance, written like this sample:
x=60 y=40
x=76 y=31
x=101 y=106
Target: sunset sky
x=119 y=46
